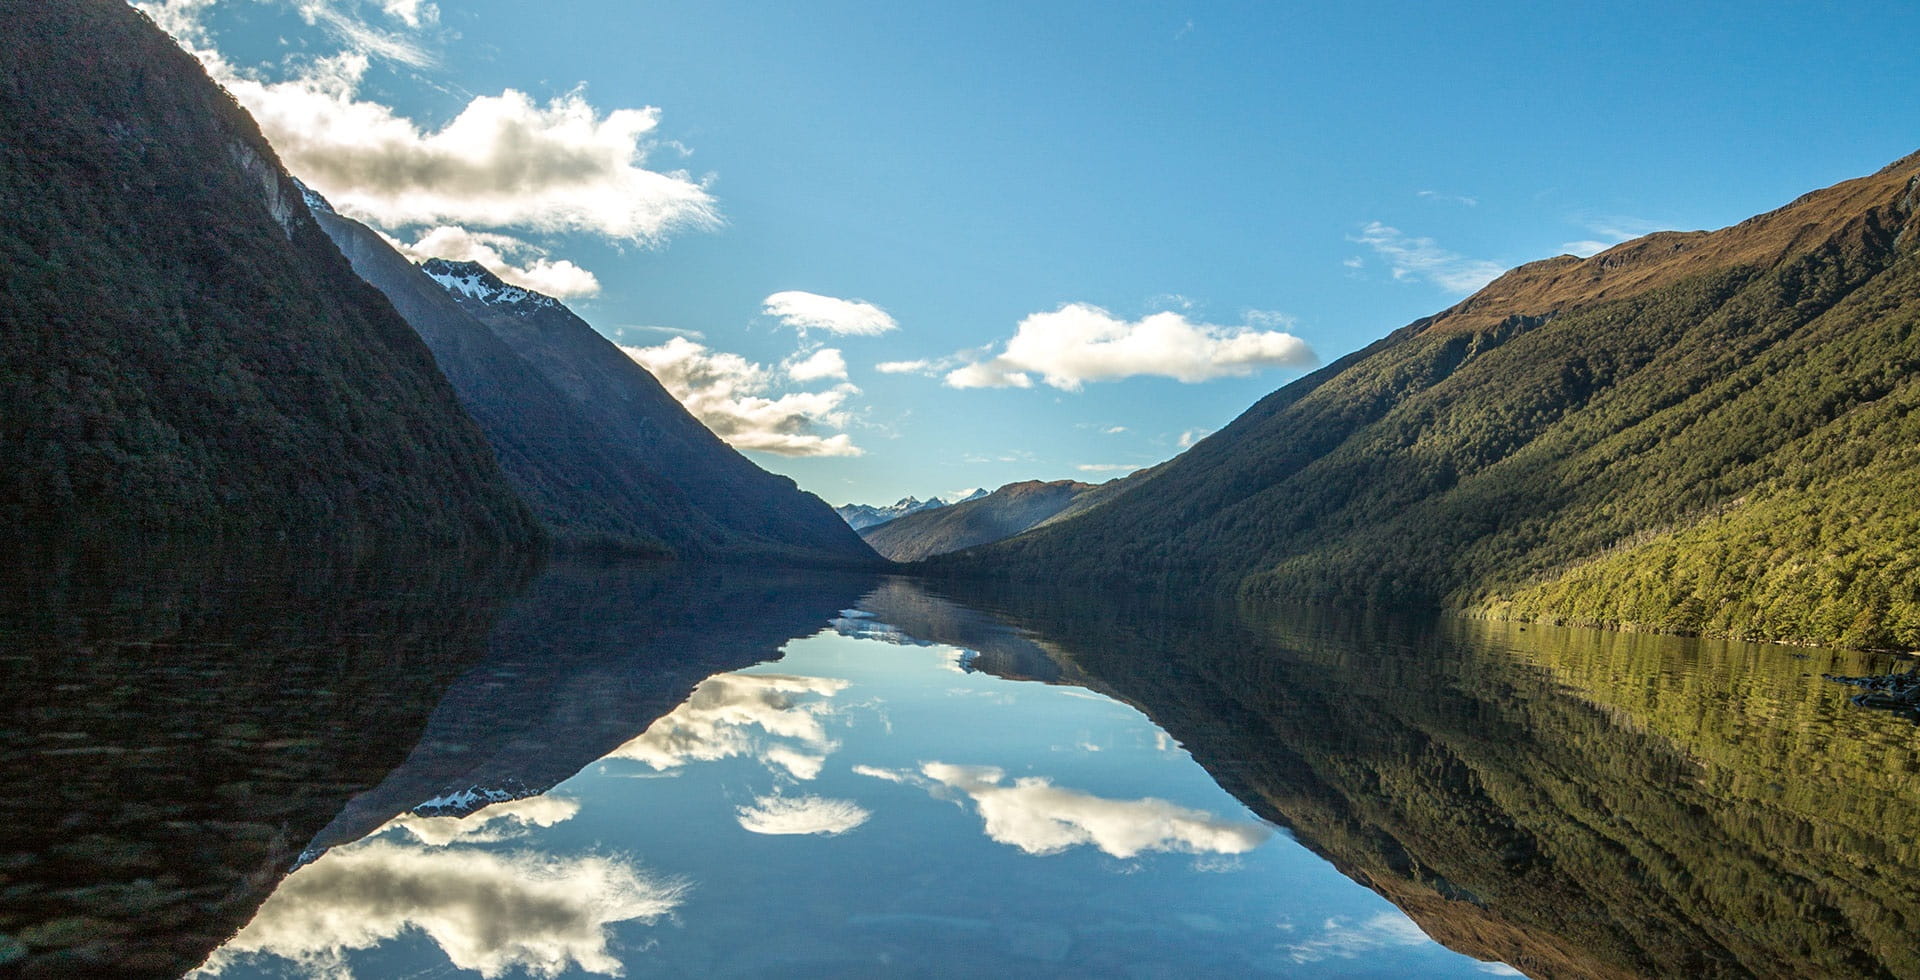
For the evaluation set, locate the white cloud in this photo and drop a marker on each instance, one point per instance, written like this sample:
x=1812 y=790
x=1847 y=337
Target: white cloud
x=798 y=764
x=803 y=311
x=490 y=913
x=801 y=815
x=1338 y=939
x=498 y=821
x=823 y=363
x=1079 y=343
x=732 y=396
x=1353 y=262
x=903 y=367
x=1114 y=430
x=518 y=262
x=718 y=721
x=412 y=13
x=1041 y=818
x=504 y=161
x=1107 y=467
x=1191 y=436
x=1461 y=199
x=1421 y=258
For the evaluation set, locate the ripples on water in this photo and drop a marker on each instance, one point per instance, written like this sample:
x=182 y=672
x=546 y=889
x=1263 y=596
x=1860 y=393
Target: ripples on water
x=664 y=770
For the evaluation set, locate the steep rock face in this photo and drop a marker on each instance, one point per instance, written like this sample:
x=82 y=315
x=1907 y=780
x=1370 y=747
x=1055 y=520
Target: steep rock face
x=180 y=345
x=994 y=517
x=647 y=479
x=1696 y=432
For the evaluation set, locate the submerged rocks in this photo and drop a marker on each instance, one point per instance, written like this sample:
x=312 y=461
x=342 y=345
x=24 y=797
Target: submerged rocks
x=1890 y=692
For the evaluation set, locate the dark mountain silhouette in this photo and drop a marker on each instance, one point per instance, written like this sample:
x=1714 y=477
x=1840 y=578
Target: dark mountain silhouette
x=181 y=346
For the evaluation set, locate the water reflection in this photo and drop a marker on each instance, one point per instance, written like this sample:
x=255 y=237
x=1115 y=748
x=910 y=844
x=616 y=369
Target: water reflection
x=181 y=716
x=537 y=913
x=868 y=802
x=680 y=771
x=1574 y=803
x=1038 y=817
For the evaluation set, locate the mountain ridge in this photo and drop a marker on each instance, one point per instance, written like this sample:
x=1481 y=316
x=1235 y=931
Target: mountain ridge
x=1712 y=425
x=607 y=458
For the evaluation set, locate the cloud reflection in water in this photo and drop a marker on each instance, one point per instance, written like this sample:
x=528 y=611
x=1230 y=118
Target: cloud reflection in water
x=1038 y=817
x=718 y=719
x=488 y=912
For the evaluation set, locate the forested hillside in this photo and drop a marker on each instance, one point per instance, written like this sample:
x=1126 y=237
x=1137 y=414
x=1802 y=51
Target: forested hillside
x=181 y=347
x=1693 y=432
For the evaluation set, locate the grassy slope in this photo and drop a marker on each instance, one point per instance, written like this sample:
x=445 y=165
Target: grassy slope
x=1691 y=432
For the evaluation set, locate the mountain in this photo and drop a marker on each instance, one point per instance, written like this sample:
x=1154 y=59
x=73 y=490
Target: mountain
x=978 y=520
x=181 y=347
x=606 y=457
x=1706 y=432
x=862 y=516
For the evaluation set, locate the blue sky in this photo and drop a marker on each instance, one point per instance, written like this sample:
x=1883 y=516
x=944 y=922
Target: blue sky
x=1211 y=191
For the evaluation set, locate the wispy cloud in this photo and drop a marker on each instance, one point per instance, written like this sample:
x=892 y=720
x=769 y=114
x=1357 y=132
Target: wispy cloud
x=737 y=399
x=1339 y=939
x=1191 y=436
x=1609 y=232
x=1080 y=342
x=803 y=311
x=1460 y=199
x=1410 y=257
x=794 y=815
x=1109 y=467
x=904 y=367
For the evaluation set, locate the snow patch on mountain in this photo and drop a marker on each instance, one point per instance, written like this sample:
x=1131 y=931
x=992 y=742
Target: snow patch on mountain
x=472 y=280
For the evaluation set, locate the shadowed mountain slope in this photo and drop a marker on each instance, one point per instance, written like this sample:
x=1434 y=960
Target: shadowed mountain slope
x=1692 y=432
x=994 y=517
x=605 y=455
x=180 y=345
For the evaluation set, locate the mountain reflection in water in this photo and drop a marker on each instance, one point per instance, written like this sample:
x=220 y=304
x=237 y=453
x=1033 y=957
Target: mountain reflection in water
x=1574 y=803
x=868 y=802
x=673 y=770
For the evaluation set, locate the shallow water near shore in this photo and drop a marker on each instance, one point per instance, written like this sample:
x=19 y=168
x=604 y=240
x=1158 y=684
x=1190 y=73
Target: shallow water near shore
x=652 y=770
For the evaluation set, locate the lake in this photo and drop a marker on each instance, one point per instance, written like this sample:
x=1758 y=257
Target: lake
x=246 y=764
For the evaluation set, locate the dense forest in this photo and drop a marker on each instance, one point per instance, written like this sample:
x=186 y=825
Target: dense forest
x=183 y=348
x=1704 y=432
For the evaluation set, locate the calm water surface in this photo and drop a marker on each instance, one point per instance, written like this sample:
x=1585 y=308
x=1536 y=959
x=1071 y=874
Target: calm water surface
x=668 y=771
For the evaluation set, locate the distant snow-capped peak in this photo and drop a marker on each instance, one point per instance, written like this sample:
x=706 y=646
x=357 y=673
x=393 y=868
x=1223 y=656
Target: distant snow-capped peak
x=472 y=280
